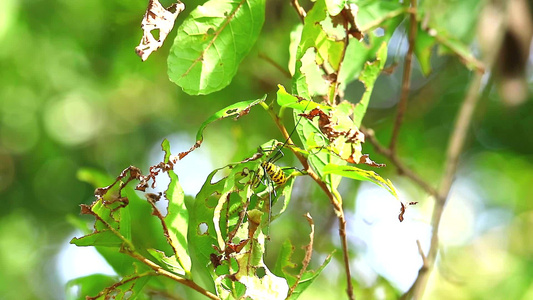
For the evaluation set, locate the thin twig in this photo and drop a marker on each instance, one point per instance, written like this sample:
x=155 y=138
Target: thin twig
x=421 y=252
x=284 y=71
x=402 y=106
x=468 y=59
x=126 y=280
x=172 y=276
x=402 y=168
x=299 y=10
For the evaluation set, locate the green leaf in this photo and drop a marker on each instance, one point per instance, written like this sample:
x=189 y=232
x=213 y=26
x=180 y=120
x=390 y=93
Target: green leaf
x=316 y=47
x=169 y=263
x=283 y=262
x=307 y=279
x=212 y=42
x=362 y=175
x=177 y=218
x=296 y=34
x=372 y=14
x=215 y=211
x=235 y=110
x=146 y=229
x=129 y=287
x=286 y=100
x=423 y=45
x=450 y=45
x=91 y=285
x=368 y=77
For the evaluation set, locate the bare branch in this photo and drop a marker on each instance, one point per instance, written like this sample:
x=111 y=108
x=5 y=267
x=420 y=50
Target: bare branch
x=402 y=106
x=402 y=168
x=421 y=252
x=284 y=71
x=299 y=10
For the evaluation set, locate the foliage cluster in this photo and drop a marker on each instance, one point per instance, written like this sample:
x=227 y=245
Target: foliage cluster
x=216 y=242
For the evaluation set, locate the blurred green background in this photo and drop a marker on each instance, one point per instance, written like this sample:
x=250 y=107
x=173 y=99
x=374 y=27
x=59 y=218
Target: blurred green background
x=74 y=95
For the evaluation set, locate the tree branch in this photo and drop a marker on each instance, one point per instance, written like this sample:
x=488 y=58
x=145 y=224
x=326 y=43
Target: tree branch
x=284 y=71
x=402 y=106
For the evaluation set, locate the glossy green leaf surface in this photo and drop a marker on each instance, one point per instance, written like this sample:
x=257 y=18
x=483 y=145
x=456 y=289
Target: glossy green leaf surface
x=212 y=42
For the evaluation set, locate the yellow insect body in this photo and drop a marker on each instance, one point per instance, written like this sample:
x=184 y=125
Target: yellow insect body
x=274 y=172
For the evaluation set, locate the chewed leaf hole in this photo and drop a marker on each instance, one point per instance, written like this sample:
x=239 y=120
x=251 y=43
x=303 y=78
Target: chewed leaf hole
x=202 y=228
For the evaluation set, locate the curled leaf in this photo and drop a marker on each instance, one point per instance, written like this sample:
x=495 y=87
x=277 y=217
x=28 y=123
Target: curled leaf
x=235 y=110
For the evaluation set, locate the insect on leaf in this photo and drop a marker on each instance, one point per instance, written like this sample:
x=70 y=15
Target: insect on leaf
x=212 y=42
x=157 y=18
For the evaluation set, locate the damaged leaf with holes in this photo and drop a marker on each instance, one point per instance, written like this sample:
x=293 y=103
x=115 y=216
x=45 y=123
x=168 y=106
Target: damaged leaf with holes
x=177 y=219
x=298 y=281
x=319 y=47
x=159 y=21
x=122 y=241
x=228 y=221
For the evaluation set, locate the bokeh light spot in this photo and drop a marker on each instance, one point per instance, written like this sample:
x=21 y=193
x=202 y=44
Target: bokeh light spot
x=72 y=120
